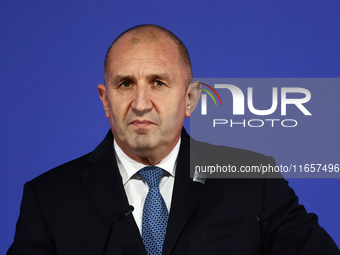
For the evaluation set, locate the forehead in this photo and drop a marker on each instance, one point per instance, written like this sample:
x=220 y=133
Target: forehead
x=134 y=48
x=147 y=36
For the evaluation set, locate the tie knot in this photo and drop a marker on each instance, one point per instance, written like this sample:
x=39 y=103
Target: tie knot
x=152 y=175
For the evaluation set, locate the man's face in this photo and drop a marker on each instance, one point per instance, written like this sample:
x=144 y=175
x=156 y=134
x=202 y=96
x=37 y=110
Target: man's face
x=145 y=97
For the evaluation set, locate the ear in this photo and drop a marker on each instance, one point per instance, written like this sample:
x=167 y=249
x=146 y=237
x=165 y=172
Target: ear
x=103 y=97
x=193 y=96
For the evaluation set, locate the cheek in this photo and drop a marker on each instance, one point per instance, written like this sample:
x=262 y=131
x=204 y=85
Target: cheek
x=118 y=107
x=116 y=115
x=175 y=113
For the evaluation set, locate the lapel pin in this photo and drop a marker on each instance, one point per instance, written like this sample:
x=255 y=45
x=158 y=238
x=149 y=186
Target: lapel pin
x=199 y=177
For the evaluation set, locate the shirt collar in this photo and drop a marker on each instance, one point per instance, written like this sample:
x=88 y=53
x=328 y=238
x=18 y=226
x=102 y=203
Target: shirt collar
x=129 y=167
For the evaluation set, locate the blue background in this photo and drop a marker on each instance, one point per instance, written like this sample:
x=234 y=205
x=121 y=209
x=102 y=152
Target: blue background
x=52 y=55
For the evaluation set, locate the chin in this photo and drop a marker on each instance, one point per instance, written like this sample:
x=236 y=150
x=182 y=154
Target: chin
x=142 y=143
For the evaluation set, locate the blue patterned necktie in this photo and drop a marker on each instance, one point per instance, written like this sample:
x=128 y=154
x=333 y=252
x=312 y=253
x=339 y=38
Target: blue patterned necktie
x=155 y=213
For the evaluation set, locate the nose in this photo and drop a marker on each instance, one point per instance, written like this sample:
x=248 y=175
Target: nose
x=141 y=102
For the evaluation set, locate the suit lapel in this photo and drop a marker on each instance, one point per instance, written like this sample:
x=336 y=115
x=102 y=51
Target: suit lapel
x=186 y=195
x=104 y=185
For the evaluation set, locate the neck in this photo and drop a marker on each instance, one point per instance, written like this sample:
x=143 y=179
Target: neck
x=149 y=157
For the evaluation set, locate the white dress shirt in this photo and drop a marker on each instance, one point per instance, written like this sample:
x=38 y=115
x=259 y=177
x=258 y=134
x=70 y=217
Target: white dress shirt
x=136 y=189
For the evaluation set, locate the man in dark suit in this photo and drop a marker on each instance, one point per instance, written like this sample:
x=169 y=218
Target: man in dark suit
x=75 y=208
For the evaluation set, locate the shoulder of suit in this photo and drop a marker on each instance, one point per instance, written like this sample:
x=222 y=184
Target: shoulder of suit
x=64 y=171
x=72 y=169
x=205 y=154
x=203 y=148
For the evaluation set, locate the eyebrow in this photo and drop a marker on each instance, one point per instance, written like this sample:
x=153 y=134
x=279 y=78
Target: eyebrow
x=161 y=76
x=123 y=77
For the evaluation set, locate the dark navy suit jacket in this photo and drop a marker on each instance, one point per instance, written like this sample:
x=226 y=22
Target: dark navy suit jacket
x=69 y=210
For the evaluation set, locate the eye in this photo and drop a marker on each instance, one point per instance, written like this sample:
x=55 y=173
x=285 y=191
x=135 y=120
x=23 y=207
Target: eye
x=159 y=83
x=125 y=84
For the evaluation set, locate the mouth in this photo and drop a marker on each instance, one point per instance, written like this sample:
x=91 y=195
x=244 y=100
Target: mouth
x=141 y=123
